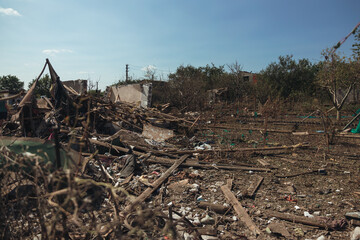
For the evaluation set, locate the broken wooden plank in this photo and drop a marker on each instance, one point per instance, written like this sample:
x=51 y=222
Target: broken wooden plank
x=155 y=185
x=117 y=148
x=263 y=162
x=303 y=220
x=125 y=150
x=241 y=212
x=213 y=207
x=250 y=192
x=351 y=121
x=277 y=131
x=300 y=145
x=164 y=161
x=300 y=133
x=321 y=171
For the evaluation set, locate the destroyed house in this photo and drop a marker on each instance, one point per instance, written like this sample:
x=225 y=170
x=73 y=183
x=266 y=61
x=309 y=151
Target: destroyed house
x=31 y=111
x=139 y=94
x=80 y=86
x=249 y=77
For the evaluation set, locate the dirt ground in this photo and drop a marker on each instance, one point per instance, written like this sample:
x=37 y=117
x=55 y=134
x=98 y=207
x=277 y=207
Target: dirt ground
x=321 y=181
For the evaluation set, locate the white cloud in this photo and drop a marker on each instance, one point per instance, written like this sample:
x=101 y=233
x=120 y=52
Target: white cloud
x=149 y=68
x=9 y=12
x=52 y=52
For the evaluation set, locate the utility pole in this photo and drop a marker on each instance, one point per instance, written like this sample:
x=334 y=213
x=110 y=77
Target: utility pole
x=97 y=88
x=127 y=73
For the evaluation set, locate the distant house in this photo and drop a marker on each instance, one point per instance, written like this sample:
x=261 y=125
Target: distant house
x=249 y=77
x=139 y=94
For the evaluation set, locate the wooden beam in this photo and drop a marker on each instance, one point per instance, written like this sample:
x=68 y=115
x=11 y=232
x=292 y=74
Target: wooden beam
x=297 y=219
x=164 y=161
x=213 y=207
x=155 y=185
x=241 y=212
x=240 y=149
x=250 y=192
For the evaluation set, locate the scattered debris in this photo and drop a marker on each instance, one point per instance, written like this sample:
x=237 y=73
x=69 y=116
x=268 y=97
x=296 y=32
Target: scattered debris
x=81 y=166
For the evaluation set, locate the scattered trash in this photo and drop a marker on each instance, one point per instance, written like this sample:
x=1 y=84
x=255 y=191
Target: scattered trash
x=203 y=146
x=307 y=214
x=290 y=199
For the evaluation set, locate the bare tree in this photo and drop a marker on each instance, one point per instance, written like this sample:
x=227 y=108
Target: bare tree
x=150 y=72
x=336 y=74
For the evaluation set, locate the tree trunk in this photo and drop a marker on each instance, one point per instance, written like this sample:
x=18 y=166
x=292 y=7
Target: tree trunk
x=338 y=115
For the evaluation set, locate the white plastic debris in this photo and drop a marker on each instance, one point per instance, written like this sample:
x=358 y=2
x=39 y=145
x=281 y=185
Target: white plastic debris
x=355 y=235
x=207 y=220
x=316 y=213
x=29 y=154
x=271 y=219
x=203 y=146
x=307 y=214
x=297 y=207
x=194 y=188
x=196 y=220
x=187 y=236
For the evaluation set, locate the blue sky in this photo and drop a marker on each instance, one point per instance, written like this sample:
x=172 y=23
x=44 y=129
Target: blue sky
x=95 y=39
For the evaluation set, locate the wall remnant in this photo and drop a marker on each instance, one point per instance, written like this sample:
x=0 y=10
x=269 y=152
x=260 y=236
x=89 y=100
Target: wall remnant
x=138 y=94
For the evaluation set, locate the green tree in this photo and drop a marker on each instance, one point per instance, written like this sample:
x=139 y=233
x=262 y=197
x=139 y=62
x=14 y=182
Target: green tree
x=11 y=83
x=236 y=84
x=287 y=78
x=43 y=86
x=356 y=44
x=212 y=76
x=186 y=87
